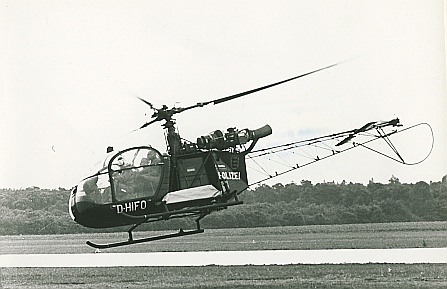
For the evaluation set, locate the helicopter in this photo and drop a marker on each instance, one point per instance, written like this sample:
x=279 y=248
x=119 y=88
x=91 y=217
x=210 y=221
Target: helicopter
x=140 y=185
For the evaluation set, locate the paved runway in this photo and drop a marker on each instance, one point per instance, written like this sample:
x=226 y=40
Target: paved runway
x=228 y=258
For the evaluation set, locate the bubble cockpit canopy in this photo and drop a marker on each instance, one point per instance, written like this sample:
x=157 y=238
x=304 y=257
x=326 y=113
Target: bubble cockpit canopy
x=126 y=175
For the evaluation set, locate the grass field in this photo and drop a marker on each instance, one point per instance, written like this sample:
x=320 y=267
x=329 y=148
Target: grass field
x=358 y=236
x=288 y=276
x=374 y=236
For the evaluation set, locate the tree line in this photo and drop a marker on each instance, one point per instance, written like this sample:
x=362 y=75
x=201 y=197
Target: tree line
x=41 y=211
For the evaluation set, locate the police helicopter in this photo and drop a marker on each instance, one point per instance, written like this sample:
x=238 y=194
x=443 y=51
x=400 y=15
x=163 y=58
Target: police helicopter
x=139 y=184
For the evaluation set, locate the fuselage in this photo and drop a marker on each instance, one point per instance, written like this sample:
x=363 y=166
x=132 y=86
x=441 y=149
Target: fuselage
x=139 y=181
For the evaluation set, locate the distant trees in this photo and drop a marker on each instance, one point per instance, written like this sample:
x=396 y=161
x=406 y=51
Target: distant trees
x=331 y=203
x=35 y=211
x=39 y=211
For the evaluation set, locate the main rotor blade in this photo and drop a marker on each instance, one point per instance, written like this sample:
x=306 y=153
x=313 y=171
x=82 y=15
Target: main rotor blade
x=146 y=102
x=227 y=98
x=149 y=123
x=223 y=99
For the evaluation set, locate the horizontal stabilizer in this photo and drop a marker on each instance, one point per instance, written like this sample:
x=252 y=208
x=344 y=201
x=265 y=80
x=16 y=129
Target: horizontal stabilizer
x=351 y=136
x=366 y=127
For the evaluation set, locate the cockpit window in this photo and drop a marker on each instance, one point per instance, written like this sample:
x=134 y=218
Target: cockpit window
x=135 y=173
x=131 y=174
x=95 y=189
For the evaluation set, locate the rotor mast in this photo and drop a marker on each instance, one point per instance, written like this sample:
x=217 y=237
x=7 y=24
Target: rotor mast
x=173 y=137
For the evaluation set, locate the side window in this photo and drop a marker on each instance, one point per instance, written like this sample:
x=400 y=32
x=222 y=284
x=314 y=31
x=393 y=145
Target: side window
x=135 y=173
x=95 y=189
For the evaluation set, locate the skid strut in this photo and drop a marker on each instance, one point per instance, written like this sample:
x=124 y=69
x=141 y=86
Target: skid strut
x=204 y=211
x=131 y=240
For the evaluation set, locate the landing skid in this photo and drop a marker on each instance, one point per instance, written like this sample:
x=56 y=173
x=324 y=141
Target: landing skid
x=143 y=240
x=131 y=240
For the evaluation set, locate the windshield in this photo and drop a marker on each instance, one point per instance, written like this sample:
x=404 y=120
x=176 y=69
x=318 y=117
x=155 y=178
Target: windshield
x=135 y=173
x=130 y=174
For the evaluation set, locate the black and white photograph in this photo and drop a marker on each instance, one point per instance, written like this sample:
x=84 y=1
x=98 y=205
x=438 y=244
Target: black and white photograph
x=223 y=144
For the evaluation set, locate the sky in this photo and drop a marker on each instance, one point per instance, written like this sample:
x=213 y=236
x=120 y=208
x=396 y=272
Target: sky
x=70 y=71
